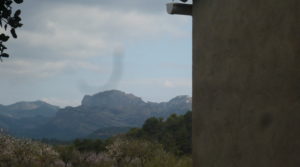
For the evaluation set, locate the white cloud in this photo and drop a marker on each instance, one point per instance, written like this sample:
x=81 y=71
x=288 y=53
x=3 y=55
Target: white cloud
x=168 y=84
x=161 y=82
x=87 y=27
x=40 y=69
x=177 y=82
x=70 y=33
x=63 y=39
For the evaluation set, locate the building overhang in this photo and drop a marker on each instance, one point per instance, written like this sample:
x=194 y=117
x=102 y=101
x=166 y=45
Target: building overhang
x=180 y=8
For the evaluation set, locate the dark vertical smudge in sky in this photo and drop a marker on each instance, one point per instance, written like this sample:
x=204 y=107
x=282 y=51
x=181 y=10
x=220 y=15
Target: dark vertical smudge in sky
x=115 y=76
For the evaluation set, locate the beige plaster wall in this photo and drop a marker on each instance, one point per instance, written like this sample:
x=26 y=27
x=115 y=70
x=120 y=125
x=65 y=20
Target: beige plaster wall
x=246 y=83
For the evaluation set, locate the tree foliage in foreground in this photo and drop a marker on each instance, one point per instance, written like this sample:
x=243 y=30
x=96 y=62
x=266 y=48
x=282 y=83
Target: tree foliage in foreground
x=21 y=153
x=161 y=143
x=174 y=133
x=120 y=152
x=9 y=21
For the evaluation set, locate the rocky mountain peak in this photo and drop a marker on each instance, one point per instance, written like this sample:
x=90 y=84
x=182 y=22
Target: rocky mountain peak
x=181 y=100
x=30 y=105
x=111 y=98
x=102 y=110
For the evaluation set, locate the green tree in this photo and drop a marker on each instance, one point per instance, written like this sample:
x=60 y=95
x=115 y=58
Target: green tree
x=174 y=133
x=89 y=145
x=127 y=152
x=9 y=20
x=152 y=127
x=66 y=153
x=23 y=153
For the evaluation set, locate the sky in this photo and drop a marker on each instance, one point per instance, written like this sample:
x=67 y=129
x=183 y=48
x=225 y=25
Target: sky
x=71 y=48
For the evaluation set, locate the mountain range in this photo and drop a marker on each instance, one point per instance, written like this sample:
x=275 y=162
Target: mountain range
x=101 y=115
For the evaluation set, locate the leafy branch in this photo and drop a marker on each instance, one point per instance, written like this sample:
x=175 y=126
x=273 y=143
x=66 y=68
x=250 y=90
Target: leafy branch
x=8 y=21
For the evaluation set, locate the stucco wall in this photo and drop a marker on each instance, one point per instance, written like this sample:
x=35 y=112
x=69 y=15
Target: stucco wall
x=246 y=83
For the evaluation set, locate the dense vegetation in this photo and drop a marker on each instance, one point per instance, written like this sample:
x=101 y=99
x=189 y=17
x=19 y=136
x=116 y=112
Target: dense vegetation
x=175 y=133
x=161 y=143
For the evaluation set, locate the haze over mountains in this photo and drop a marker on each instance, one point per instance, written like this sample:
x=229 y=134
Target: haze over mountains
x=105 y=110
x=21 y=117
x=29 y=109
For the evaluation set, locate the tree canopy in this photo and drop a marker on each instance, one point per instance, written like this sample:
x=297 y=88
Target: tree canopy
x=174 y=133
x=9 y=21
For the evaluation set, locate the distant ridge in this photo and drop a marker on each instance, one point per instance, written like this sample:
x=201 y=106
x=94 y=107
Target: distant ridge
x=29 y=109
x=106 y=110
x=21 y=117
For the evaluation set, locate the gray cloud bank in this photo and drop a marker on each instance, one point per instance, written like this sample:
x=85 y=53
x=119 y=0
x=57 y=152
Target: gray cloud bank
x=70 y=38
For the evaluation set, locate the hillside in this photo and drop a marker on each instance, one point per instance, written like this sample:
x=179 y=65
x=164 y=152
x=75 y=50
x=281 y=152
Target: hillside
x=109 y=109
x=103 y=111
x=28 y=109
x=22 y=117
